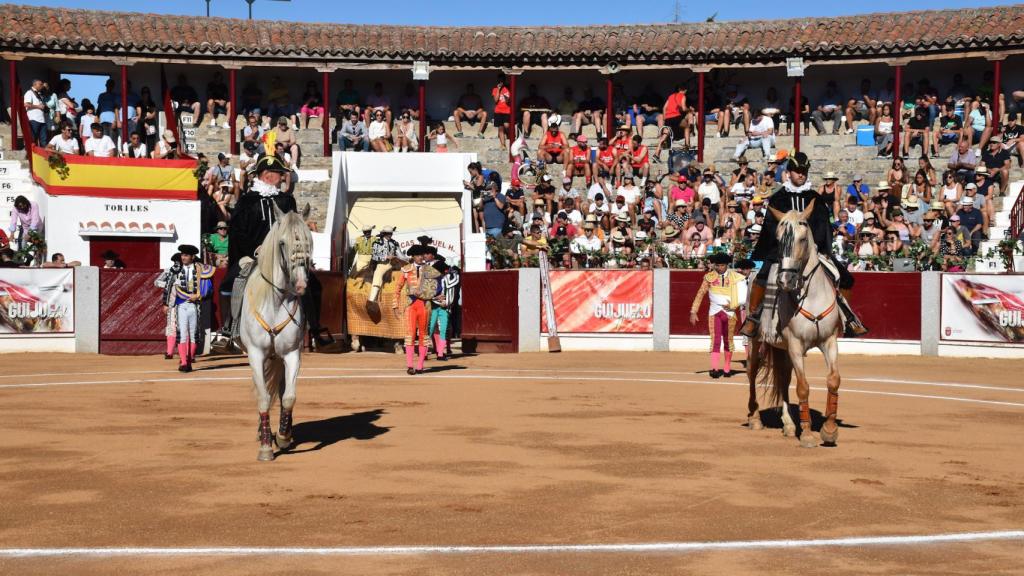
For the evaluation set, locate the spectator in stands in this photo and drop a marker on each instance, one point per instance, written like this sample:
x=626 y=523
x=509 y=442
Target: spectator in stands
x=997 y=161
x=677 y=115
x=100 y=144
x=805 y=114
x=67 y=107
x=348 y=100
x=352 y=136
x=587 y=248
x=86 y=120
x=24 y=219
x=134 y=108
x=410 y=102
x=218 y=243
x=494 y=203
x=1013 y=138
x=973 y=221
x=312 y=105
x=951 y=192
x=36 y=110
x=378 y=102
x=982 y=191
x=134 y=147
x=440 y=139
x=247 y=163
x=918 y=130
x=929 y=231
x=379 y=133
x=503 y=111
x=553 y=146
x=645 y=110
x=897 y=175
x=279 y=103
x=739 y=107
x=760 y=133
x=536 y=110
x=166 y=148
x=184 y=97
x=590 y=111
x=253 y=131
x=883 y=130
x=252 y=101
x=963 y=161
x=107 y=107
x=222 y=176
x=604 y=161
x=772 y=107
x=829 y=109
x=470 y=108
x=951 y=247
x=979 y=123
x=951 y=128
x=285 y=136
x=861 y=107
x=567 y=106
x=407 y=136
x=639 y=161
x=149 y=127
x=577 y=160
x=65 y=142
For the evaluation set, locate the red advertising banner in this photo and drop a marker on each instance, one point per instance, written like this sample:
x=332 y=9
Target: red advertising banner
x=597 y=301
x=982 y=308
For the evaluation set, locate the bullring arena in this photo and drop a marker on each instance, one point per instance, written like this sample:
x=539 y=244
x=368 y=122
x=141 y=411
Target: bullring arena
x=575 y=426
x=496 y=464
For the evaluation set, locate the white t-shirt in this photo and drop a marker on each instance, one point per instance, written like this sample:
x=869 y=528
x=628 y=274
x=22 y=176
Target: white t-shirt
x=570 y=193
x=140 y=150
x=598 y=210
x=35 y=114
x=741 y=192
x=630 y=194
x=377 y=130
x=69 y=146
x=575 y=217
x=596 y=189
x=856 y=217
x=583 y=244
x=709 y=190
x=765 y=127
x=103 y=147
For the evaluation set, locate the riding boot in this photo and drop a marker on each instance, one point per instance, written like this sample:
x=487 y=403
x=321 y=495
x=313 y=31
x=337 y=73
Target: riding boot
x=753 y=320
x=374 y=291
x=185 y=365
x=852 y=324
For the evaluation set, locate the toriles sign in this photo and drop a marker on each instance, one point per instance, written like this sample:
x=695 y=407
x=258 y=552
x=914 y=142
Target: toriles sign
x=982 y=308
x=612 y=301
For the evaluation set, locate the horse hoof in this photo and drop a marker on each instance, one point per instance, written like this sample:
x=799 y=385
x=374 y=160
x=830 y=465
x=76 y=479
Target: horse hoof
x=789 y=431
x=282 y=442
x=829 y=438
x=808 y=441
x=754 y=422
x=266 y=454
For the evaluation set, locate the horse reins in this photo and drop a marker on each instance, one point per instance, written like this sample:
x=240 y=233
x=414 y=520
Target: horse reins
x=804 y=279
x=273 y=331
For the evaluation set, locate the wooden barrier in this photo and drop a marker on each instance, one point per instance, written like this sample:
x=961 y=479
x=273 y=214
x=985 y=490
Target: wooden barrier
x=490 y=311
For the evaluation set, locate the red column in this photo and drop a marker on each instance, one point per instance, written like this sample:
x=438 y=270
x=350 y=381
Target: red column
x=700 y=117
x=15 y=98
x=897 y=112
x=326 y=120
x=232 y=111
x=423 y=115
x=797 y=108
x=609 y=110
x=124 y=103
x=997 y=82
x=512 y=114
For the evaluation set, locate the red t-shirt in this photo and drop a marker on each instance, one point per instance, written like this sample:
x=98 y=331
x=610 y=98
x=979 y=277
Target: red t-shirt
x=673 y=105
x=606 y=157
x=501 y=104
x=639 y=156
x=580 y=155
x=622 y=145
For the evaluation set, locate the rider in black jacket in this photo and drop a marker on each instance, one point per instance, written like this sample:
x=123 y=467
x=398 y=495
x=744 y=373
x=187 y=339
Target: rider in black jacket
x=797 y=194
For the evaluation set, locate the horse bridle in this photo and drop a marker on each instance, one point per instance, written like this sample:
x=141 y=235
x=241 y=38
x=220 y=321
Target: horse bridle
x=304 y=257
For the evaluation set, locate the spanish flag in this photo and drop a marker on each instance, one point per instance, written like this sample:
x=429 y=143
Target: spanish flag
x=116 y=177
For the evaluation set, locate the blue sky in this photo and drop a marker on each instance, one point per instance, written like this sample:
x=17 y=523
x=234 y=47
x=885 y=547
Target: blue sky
x=525 y=12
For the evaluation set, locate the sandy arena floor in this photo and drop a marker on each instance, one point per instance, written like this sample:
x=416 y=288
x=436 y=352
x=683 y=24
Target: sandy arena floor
x=570 y=449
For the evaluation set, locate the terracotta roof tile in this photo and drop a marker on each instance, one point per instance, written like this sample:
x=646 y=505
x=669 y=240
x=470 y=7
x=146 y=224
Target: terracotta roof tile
x=909 y=33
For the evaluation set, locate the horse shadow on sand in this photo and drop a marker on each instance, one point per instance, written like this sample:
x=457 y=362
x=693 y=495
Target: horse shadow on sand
x=772 y=418
x=329 y=431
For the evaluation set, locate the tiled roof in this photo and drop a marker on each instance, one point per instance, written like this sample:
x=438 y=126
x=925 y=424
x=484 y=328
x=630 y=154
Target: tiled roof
x=127 y=34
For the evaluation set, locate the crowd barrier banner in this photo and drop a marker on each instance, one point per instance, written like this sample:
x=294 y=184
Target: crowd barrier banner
x=610 y=301
x=37 y=301
x=982 y=308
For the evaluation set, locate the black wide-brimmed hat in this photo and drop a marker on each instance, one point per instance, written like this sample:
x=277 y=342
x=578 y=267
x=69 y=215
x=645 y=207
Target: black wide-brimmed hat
x=720 y=258
x=799 y=162
x=416 y=250
x=188 y=249
x=424 y=239
x=271 y=163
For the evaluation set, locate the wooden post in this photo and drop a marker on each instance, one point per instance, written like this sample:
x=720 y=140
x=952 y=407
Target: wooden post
x=423 y=114
x=325 y=119
x=232 y=111
x=15 y=99
x=124 y=103
x=797 y=109
x=897 y=112
x=700 y=117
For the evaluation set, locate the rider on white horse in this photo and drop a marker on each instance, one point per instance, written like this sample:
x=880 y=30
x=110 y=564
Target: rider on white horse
x=797 y=194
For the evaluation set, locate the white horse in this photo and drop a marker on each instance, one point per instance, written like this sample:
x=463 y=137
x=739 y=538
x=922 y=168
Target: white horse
x=272 y=326
x=815 y=323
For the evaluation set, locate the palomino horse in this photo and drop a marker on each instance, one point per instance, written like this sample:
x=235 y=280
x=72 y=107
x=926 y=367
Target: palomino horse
x=272 y=327
x=815 y=323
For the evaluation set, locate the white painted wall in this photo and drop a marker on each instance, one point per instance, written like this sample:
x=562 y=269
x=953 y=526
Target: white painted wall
x=66 y=213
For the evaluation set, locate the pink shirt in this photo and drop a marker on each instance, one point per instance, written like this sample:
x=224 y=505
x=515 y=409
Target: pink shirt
x=29 y=220
x=685 y=194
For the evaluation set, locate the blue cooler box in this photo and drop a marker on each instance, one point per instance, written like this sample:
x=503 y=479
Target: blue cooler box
x=865 y=135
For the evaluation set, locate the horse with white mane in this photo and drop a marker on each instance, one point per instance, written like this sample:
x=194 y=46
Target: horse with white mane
x=272 y=326
x=807 y=316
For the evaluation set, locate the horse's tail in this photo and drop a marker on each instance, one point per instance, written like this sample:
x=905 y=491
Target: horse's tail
x=273 y=375
x=773 y=373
